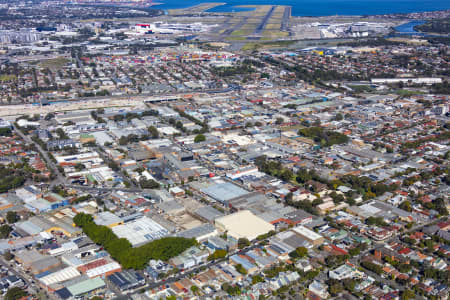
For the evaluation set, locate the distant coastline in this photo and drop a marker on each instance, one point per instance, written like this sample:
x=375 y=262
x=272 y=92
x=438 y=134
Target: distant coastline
x=323 y=7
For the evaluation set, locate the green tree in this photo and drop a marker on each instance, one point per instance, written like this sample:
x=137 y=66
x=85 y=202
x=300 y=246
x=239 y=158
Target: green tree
x=288 y=197
x=301 y=251
x=79 y=167
x=240 y=269
x=121 y=249
x=8 y=255
x=15 y=293
x=219 y=253
x=148 y=183
x=406 y=205
x=12 y=217
x=243 y=242
x=5 y=230
x=407 y=294
x=354 y=251
x=153 y=132
x=5 y=131
x=194 y=289
x=199 y=138
x=279 y=121
x=286 y=175
x=335 y=289
x=372 y=267
x=257 y=278
x=324 y=137
x=349 y=284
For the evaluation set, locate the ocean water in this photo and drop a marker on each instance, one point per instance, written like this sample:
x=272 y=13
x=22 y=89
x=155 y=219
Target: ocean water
x=324 y=7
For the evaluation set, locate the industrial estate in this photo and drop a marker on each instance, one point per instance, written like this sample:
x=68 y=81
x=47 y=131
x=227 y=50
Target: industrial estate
x=197 y=154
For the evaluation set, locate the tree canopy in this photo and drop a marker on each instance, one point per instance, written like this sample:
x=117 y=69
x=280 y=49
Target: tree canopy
x=324 y=137
x=199 y=138
x=15 y=293
x=121 y=249
x=5 y=230
x=12 y=217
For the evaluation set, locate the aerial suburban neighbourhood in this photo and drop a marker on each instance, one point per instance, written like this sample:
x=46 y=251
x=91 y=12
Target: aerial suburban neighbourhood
x=224 y=151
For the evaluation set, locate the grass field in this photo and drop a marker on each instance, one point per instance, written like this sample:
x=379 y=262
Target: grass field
x=361 y=88
x=236 y=38
x=242 y=31
x=235 y=20
x=55 y=63
x=195 y=9
x=266 y=45
x=276 y=34
x=247 y=26
x=273 y=26
x=5 y=78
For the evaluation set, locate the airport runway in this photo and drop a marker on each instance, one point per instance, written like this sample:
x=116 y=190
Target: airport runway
x=263 y=23
x=286 y=17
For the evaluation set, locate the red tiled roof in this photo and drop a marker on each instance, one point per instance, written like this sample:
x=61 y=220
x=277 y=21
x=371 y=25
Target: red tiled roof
x=405 y=251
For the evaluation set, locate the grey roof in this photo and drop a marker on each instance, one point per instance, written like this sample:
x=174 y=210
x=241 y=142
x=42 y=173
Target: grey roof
x=106 y=218
x=295 y=241
x=430 y=230
x=169 y=206
x=27 y=257
x=139 y=154
x=297 y=215
x=29 y=227
x=42 y=224
x=45 y=263
x=444 y=234
x=268 y=216
x=208 y=213
x=197 y=231
x=4 y=246
x=224 y=191
x=218 y=242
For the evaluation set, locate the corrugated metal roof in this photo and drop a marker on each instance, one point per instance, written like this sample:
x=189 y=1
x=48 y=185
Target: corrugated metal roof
x=59 y=276
x=224 y=191
x=209 y=213
x=86 y=286
x=29 y=227
x=103 y=269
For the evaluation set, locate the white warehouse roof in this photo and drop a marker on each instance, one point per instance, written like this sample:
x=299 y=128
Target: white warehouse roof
x=141 y=231
x=102 y=269
x=305 y=232
x=244 y=224
x=59 y=276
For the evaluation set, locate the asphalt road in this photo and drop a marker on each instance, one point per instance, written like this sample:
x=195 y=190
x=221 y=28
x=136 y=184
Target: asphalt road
x=104 y=189
x=60 y=179
x=395 y=238
x=32 y=288
x=157 y=284
x=120 y=171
